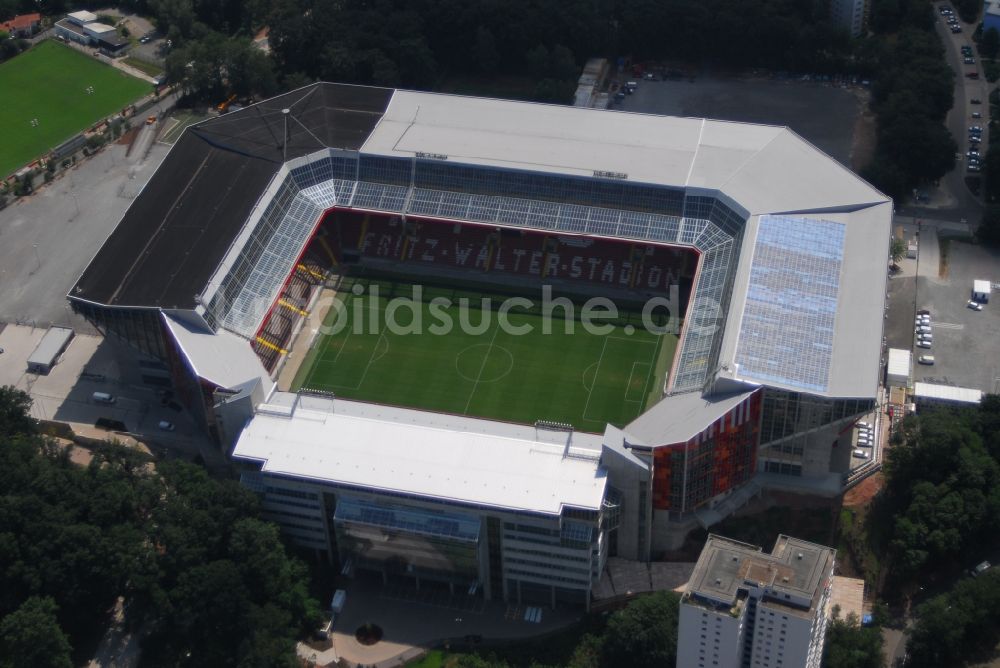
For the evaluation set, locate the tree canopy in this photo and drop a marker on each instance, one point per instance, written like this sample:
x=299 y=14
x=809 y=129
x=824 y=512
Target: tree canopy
x=941 y=501
x=958 y=628
x=204 y=576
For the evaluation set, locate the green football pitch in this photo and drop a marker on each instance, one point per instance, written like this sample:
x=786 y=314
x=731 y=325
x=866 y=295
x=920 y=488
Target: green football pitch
x=582 y=378
x=49 y=82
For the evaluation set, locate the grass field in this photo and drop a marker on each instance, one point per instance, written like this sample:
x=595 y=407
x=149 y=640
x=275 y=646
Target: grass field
x=49 y=83
x=581 y=378
x=143 y=66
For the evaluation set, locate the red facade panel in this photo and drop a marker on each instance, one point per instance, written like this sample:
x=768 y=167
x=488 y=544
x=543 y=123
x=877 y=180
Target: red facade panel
x=721 y=457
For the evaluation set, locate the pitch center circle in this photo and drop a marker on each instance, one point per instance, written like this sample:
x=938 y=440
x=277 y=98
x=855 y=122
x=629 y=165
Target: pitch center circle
x=484 y=363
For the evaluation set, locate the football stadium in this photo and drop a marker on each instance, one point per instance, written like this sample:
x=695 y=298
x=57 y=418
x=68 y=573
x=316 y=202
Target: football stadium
x=435 y=331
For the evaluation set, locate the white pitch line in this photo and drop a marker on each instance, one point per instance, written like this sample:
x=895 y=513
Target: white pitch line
x=482 y=367
x=597 y=372
x=948 y=325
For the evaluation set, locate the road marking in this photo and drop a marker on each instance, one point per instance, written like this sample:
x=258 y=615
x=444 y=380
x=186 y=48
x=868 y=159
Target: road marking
x=948 y=325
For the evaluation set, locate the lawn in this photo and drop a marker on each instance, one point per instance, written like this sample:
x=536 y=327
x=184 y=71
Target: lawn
x=49 y=83
x=581 y=378
x=152 y=69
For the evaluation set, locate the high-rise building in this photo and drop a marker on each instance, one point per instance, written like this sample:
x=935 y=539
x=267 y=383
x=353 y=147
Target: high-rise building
x=850 y=15
x=744 y=608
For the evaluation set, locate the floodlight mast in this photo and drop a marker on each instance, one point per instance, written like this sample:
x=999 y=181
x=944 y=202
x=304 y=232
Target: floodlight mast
x=284 y=138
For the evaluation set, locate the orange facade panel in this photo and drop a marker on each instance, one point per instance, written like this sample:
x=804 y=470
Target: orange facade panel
x=719 y=458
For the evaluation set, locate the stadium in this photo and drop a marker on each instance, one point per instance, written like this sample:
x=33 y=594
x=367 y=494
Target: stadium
x=263 y=227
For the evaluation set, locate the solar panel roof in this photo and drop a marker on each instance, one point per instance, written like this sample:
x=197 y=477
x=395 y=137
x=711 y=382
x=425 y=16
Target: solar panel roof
x=787 y=330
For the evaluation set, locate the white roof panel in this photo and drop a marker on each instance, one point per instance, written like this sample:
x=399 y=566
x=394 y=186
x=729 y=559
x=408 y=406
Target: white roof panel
x=438 y=456
x=899 y=362
x=221 y=357
x=83 y=16
x=947 y=393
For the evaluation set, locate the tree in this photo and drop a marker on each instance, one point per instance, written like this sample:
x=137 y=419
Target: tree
x=988 y=232
x=850 y=645
x=989 y=43
x=15 y=417
x=31 y=636
x=897 y=250
x=959 y=627
x=644 y=634
x=485 y=51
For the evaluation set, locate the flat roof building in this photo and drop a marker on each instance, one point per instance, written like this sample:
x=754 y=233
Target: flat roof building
x=931 y=394
x=48 y=350
x=898 y=368
x=745 y=607
x=516 y=512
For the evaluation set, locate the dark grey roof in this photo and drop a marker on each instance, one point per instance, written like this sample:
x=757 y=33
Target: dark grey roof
x=173 y=236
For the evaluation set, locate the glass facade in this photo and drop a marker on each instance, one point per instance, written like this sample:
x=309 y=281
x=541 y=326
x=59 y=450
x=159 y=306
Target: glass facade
x=407 y=540
x=139 y=328
x=789 y=418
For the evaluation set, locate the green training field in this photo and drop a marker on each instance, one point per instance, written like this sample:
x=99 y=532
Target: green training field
x=49 y=82
x=581 y=378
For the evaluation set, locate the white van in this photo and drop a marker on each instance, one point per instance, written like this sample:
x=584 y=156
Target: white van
x=861 y=454
x=103 y=398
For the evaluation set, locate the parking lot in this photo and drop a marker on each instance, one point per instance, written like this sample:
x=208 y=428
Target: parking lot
x=965 y=345
x=91 y=364
x=823 y=114
x=47 y=239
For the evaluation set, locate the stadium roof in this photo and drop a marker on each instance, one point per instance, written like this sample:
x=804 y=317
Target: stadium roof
x=679 y=418
x=220 y=358
x=808 y=269
x=432 y=455
x=171 y=239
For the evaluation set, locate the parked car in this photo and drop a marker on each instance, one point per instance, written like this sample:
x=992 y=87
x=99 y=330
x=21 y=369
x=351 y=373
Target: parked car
x=973 y=169
x=923 y=311
x=166 y=425
x=969 y=60
x=975 y=100
x=926 y=359
x=979 y=569
x=974 y=305
x=923 y=328
x=923 y=343
x=860 y=454
x=976 y=114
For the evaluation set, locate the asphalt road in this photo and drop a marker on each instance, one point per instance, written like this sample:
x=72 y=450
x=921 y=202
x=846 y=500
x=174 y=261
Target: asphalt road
x=960 y=202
